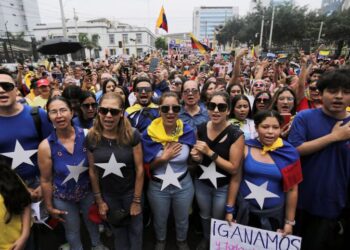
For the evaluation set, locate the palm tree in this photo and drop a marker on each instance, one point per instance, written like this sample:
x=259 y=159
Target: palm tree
x=88 y=43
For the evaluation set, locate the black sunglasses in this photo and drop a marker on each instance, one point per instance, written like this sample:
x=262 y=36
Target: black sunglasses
x=262 y=100
x=141 y=89
x=105 y=111
x=7 y=86
x=312 y=88
x=166 y=108
x=222 y=107
x=88 y=105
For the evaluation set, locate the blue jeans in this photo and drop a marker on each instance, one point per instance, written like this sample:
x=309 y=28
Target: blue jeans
x=211 y=204
x=129 y=237
x=72 y=221
x=180 y=199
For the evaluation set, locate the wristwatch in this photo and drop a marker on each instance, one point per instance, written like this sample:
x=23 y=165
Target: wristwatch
x=290 y=222
x=214 y=156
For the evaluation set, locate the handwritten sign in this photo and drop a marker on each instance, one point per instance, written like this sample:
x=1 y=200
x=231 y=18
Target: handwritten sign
x=239 y=237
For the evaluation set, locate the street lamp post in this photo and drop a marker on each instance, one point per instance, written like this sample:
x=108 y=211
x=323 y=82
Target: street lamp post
x=9 y=42
x=271 y=27
x=319 y=34
x=261 y=30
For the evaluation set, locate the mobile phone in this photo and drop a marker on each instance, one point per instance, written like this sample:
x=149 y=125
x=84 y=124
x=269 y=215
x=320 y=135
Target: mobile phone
x=286 y=118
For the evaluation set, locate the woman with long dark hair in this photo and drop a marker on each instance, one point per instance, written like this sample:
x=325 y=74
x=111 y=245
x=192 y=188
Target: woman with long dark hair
x=116 y=170
x=88 y=110
x=15 y=212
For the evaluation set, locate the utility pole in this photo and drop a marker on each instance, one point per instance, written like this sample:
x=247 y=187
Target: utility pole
x=63 y=20
x=76 y=22
x=271 y=28
x=262 y=30
x=320 y=33
x=9 y=42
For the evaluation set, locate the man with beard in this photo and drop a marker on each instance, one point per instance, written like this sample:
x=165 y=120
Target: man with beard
x=192 y=112
x=322 y=137
x=143 y=111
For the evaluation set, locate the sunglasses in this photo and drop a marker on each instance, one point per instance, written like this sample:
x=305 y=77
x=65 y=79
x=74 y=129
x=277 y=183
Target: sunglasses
x=166 y=108
x=259 y=85
x=105 y=111
x=188 y=91
x=140 y=90
x=312 y=88
x=263 y=100
x=89 y=105
x=222 y=107
x=176 y=83
x=7 y=86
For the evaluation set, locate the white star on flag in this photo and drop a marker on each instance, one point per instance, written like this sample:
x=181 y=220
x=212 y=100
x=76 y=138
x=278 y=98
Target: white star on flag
x=20 y=155
x=259 y=193
x=170 y=178
x=210 y=173
x=75 y=171
x=112 y=167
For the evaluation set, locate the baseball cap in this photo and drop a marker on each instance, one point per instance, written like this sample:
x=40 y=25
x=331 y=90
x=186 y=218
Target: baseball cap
x=42 y=82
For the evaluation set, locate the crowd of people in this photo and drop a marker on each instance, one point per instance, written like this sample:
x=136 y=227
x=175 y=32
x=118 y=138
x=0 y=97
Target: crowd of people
x=263 y=142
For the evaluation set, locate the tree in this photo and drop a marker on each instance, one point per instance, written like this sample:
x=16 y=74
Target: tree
x=88 y=43
x=161 y=43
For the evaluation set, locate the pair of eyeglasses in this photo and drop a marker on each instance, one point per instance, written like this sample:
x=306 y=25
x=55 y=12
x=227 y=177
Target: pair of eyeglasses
x=289 y=99
x=176 y=83
x=7 y=86
x=55 y=112
x=222 y=107
x=140 y=90
x=311 y=88
x=189 y=91
x=263 y=100
x=259 y=85
x=166 y=108
x=92 y=105
x=112 y=111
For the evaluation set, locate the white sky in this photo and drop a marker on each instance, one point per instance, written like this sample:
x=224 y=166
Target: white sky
x=142 y=12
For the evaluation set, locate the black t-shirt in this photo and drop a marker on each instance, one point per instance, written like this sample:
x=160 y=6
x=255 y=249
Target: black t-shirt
x=120 y=157
x=222 y=148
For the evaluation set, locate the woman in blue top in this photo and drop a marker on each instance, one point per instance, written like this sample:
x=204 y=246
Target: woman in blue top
x=64 y=177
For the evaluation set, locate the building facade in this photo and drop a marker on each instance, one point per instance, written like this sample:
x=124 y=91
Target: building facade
x=18 y=16
x=207 y=19
x=114 y=38
x=329 y=6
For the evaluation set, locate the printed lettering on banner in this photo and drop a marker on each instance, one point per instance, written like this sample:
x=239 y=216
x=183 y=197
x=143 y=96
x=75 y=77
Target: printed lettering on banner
x=239 y=237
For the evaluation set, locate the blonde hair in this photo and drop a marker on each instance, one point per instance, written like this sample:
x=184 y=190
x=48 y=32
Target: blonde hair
x=123 y=130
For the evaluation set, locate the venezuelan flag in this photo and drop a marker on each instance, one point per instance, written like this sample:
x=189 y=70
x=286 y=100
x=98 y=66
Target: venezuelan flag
x=200 y=46
x=253 y=52
x=161 y=21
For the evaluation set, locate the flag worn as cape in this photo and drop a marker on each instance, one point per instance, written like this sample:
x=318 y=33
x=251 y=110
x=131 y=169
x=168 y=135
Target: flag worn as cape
x=287 y=160
x=155 y=136
x=162 y=21
x=200 y=46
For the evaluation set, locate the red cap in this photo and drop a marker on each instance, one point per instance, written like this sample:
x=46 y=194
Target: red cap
x=42 y=82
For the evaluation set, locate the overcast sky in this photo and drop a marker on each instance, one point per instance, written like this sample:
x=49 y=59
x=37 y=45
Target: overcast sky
x=142 y=12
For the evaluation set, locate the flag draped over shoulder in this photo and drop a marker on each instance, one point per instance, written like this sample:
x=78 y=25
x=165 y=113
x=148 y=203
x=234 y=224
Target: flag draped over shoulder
x=161 y=21
x=200 y=46
x=286 y=158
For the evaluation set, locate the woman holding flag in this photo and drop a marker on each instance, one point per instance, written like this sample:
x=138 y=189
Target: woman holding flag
x=166 y=144
x=266 y=189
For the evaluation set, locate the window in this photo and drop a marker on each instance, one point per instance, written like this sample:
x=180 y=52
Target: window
x=127 y=51
x=111 y=39
x=112 y=52
x=139 y=52
x=138 y=38
x=125 y=39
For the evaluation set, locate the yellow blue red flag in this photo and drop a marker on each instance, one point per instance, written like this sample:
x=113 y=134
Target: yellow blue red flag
x=161 y=21
x=200 y=46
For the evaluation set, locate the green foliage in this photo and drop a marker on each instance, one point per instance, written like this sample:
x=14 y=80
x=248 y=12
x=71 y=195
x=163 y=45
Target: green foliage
x=292 y=24
x=88 y=43
x=161 y=43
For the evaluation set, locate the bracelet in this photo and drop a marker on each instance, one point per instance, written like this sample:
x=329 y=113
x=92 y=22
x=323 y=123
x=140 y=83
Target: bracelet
x=290 y=222
x=214 y=156
x=136 y=202
x=229 y=209
x=97 y=194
